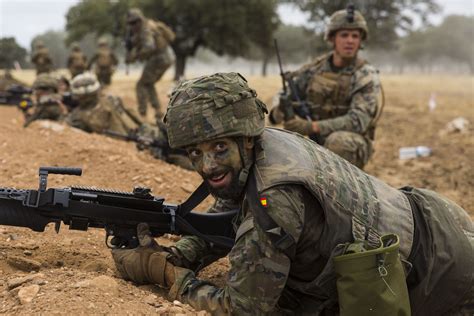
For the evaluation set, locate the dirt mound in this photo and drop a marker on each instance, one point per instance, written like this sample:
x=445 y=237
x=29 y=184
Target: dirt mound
x=73 y=272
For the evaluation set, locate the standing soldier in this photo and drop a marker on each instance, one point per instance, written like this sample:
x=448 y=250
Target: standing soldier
x=41 y=58
x=104 y=62
x=148 y=41
x=48 y=105
x=77 y=61
x=341 y=92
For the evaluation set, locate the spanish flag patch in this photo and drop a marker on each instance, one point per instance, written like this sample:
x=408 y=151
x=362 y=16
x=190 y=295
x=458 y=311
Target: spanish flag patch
x=264 y=201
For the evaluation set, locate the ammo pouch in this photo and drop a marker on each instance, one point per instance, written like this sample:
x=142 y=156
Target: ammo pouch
x=372 y=281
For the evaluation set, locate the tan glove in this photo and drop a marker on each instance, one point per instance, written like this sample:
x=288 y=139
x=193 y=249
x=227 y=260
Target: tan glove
x=299 y=125
x=145 y=264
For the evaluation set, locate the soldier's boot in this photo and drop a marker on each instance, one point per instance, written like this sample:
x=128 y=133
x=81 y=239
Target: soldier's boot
x=142 y=97
x=350 y=146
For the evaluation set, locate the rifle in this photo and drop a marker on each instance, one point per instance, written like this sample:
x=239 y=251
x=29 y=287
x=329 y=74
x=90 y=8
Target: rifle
x=291 y=103
x=17 y=95
x=117 y=212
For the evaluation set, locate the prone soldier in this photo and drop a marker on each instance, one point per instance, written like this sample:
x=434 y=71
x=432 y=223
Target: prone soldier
x=41 y=58
x=95 y=112
x=149 y=43
x=104 y=62
x=340 y=90
x=48 y=104
x=77 y=61
x=315 y=235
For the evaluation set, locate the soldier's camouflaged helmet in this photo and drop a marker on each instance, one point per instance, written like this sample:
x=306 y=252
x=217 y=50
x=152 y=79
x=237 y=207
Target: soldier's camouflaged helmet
x=39 y=44
x=340 y=20
x=46 y=81
x=102 y=42
x=215 y=106
x=85 y=83
x=75 y=46
x=134 y=14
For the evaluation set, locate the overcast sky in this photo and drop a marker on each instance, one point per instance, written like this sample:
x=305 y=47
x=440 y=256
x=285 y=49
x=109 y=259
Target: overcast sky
x=24 y=19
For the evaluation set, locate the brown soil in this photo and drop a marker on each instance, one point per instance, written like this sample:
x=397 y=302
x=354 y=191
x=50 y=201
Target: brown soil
x=74 y=270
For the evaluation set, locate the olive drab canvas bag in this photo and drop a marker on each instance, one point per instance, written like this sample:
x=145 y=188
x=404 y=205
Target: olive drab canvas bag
x=371 y=281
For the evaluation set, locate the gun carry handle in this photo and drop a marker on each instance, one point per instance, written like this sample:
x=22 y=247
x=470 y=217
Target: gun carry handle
x=61 y=170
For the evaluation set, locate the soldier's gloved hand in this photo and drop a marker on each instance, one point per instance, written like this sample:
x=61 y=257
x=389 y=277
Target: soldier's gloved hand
x=276 y=116
x=147 y=263
x=298 y=125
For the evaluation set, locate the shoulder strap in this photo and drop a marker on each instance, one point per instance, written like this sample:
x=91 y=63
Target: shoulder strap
x=278 y=236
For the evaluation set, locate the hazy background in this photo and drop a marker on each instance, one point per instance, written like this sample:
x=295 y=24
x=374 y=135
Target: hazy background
x=426 y=46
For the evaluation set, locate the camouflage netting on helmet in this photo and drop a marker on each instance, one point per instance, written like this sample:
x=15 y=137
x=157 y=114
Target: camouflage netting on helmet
x=85 y=83
x=341 y=20
x=46 y=82
x=215 y=106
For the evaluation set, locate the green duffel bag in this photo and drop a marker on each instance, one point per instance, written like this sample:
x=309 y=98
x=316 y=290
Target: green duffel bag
x=372 y=281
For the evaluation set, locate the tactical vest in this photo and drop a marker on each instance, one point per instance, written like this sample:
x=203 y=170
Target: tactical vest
x=329 y=93
x=77 y=60
x=351 y=199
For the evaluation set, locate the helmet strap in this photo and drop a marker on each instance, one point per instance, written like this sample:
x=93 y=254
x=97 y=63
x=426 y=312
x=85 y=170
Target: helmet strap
x=247 y=161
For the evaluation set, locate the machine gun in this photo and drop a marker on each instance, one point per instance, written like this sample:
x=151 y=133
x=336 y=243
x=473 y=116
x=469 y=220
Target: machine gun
x=17 y=95
x=117 y=212
x=291 y=103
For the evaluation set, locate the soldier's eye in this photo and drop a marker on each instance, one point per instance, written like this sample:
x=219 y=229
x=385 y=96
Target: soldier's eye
x=221 y=147
x=194 y=153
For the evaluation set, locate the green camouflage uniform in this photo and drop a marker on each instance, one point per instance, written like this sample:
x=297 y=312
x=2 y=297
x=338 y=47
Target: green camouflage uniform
x=318 y=202
x=151 y=46
x=48 y=106
x=106 y=114
x=344 y=102
x=104 y=61
x=76 y=62
x=100 y=114
x=42 y=60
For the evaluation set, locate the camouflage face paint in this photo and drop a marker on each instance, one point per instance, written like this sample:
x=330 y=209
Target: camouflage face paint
x=219 y=164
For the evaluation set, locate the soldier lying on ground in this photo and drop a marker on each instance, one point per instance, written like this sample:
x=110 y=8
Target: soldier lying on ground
x=341 y=92
x=47 y=102
x=315 y=234
x=105 y=114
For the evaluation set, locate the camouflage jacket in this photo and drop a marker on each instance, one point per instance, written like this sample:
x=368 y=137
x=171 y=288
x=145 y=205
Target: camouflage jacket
x=104 y=114
x=104 y=60
x=153 y=39
x=345 y=99
x=315 y=212
x=42 y=60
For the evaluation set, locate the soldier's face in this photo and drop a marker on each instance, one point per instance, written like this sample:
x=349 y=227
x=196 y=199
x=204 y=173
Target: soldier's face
x=347 y=43
x=219 y=164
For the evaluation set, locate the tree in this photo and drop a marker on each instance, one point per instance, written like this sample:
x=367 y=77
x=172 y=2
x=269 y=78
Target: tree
x=384 y=17
x=11 y=52
x=448 y=40
x=223 y=26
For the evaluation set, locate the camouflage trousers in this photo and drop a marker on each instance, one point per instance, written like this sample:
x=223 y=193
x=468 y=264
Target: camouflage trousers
x=353 y=147
x=447 y=288
x=154 y=69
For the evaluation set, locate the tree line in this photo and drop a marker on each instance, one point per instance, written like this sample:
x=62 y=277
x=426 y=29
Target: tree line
x=247 y=28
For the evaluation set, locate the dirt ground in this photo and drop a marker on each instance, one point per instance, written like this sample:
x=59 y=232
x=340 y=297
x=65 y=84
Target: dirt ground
x=72 y=272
